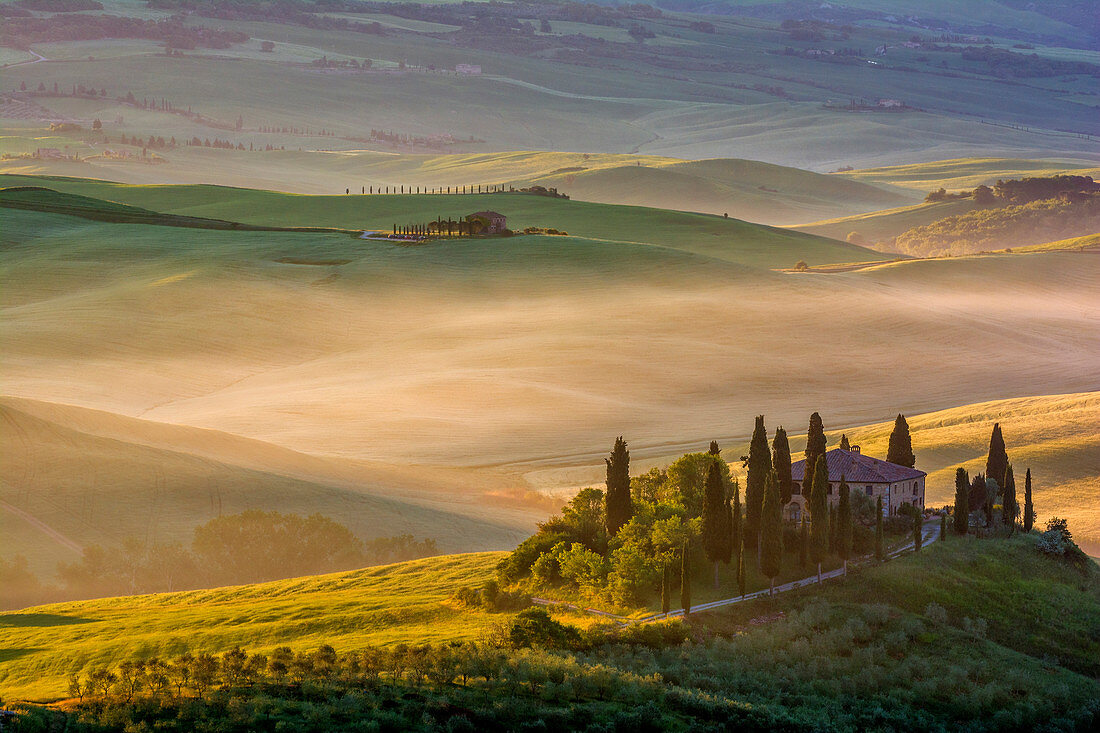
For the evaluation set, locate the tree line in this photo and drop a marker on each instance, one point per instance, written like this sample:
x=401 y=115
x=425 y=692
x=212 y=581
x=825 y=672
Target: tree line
x=250 y=547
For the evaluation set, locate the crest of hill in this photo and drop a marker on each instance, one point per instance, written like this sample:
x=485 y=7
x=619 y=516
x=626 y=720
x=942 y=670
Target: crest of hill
x=746 y=189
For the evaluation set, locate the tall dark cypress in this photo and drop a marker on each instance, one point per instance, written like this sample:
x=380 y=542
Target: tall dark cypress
x=819 y=514
x=976 y=498
x=815 y=446
x=771 y=531
x=918 y=528
x=685 y=582
x=962 y=501
x=844 y=444
x=1009 y=509
x=781 y=462
x=803 y=544
x=759 y=464
x=1029 y=508
x=996 y=463
x=843 y=528
x=618 y=505
x=737 y=522
x=880 y=538
x=900 y=450
x=715 y=517
x=943 y=526
x=741 y=569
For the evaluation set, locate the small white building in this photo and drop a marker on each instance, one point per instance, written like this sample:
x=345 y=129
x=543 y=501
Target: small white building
x=897 y=485
x=474 y=69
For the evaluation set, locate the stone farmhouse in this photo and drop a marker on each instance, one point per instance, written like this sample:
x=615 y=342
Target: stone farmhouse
x=494 y=223
x=897 y=485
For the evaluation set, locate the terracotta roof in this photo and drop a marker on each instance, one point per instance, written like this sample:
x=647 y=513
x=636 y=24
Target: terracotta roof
x=488 y=214
x=857 y=468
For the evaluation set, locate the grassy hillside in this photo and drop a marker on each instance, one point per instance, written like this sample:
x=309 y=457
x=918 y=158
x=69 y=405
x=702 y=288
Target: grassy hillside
x=383 y=605
x=713 y=236
x=879 y=227
x=969 y=173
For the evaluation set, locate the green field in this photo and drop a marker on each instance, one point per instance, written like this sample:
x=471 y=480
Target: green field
x=383 y=605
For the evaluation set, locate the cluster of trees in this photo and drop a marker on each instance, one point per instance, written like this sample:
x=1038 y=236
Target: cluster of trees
x=174 y=32
x=1023 y=191
x=1009 y=64
x=983 y=230
x=656 y=530
x=326 y=63
x=249 y=547
x=989 y=501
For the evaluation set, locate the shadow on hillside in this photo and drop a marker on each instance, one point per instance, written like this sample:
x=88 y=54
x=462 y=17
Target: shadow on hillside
x=40 y=619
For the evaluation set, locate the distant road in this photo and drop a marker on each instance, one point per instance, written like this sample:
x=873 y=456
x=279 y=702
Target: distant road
x=43 y=527
x=931 y=534
x=37 y=58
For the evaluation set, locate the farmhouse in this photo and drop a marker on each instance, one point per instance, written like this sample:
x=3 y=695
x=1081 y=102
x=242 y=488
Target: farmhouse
x=472 y=69
x=491 y=221
x=897 y=485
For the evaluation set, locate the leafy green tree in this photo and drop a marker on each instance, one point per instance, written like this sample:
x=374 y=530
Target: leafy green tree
x=618 y=508
x=843 y=528
x=771 y=531
x=996 y=463
x=715 y=518
x=1009 y=509
x=962 y=501
x=900 y=450
x=1029 y=508
x=819 y=514
x=759 y=463
x=815 y=446
x=685 y=581
x=880 y=540
x=781 y=462
x=687 y=477
x=666 y=589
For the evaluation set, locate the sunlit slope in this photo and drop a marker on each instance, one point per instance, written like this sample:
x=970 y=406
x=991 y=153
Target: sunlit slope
x=727 y=239
x=878 y=227
x=969 y=173
x=95 y=478
x=375 y=606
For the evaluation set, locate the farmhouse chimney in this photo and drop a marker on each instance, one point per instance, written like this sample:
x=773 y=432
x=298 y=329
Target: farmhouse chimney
x=854 y=449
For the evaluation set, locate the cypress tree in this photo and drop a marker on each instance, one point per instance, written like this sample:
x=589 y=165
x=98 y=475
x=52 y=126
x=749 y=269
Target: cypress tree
x=844 y=444
x=781 y=462
x=618 y=508
x=832 y=534
x=901 y=444
x=1029 y=508
x=880 y=539
x=844 y=524
x=1009 y=509
x=737 y=523
x=666 y=590
x=918 y=528
x=976 y=497
x=741 y=569
x=759 y=464
x=815 y=446
x=771 y=531
x=803 y=544
x=962 y=501
x=943 y=526
x=685 y=582
x=819 y=514
x=996 y=463
x=715 y=515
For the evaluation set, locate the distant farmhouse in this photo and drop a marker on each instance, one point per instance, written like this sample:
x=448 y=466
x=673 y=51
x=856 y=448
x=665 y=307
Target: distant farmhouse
x=897 y=485
x=491 y=221
x=473 y=69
